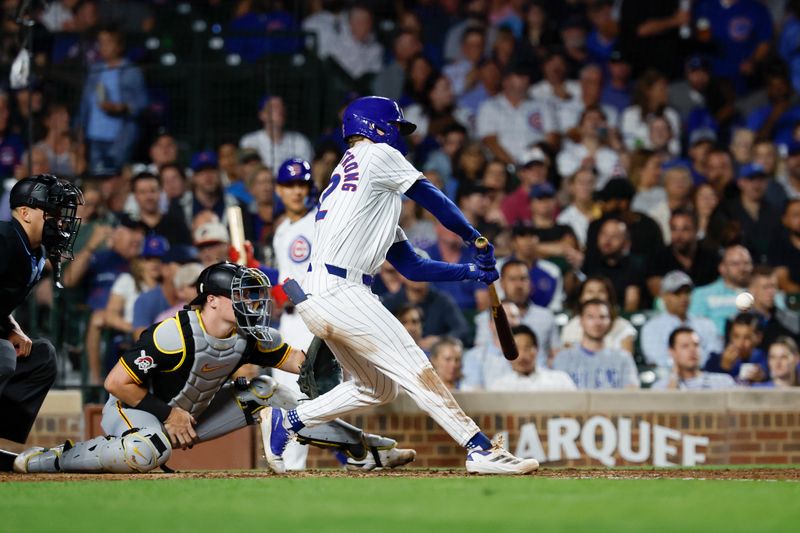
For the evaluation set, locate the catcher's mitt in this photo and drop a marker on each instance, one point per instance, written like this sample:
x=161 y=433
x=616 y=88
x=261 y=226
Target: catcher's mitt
x=320 y=371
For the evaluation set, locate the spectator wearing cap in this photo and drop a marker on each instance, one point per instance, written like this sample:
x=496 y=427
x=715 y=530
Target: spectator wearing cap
x=685 y=356
x=207 y=193
x=184 y=281
x=776 y=120
x=581 y=209
x=533 y=170
x=547 y=284
x=717 y=300
x=147 y=194
x=151 y=303
x=701 y=142
x=741 y=357
x=555 y=240
x=618 y=89
x=526 y=373
x=510 y=123
x=391 y=78
x=740 y=32
x=515 y=283
x=650 y=100
x=274 y=144
x=691 y=91
x=569 y=114
x=676 y=293
x=684 y=253
x=356 y=51
x=614 y=200
x=756 y=219
x=212 y=242
x=592 y=149
x=114 y=96
x=774 y=321
x=98 y=270
x=613 y=259
x=784 y=252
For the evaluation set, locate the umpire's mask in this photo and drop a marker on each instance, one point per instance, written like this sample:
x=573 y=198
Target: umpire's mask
x=250 y=295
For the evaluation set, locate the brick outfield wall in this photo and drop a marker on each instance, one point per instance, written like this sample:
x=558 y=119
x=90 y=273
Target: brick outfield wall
x=742 y=427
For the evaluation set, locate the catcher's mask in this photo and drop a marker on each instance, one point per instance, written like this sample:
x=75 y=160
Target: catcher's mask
x=59 y=200
x=249 y=291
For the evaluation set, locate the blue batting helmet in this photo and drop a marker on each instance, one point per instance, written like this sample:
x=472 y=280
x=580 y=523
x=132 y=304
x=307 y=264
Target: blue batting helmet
x=378 y=119
x=294 y=169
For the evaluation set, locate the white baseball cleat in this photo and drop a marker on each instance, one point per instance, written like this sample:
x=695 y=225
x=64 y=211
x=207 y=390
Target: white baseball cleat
x=498 y=460
x=275 y=438
x=393 y=457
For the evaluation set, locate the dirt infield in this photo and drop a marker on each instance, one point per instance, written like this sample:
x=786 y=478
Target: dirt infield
x=784 y=474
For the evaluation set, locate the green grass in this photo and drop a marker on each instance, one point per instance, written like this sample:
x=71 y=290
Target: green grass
x=491 y=505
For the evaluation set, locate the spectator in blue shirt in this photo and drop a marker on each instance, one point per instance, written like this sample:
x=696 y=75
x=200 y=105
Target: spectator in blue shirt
x=618 y=89
x=741 y=358
x=776 y=120
x=741 y=32
x=113 y=98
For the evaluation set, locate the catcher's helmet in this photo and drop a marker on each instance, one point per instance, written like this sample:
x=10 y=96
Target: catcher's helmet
x=248 y=289
x=378 y=119
x=59 y=199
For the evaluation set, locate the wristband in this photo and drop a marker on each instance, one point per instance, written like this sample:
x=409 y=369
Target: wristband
x=155 y=406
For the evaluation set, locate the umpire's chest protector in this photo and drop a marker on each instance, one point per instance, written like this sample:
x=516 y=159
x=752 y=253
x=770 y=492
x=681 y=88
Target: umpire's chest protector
x=214 y=360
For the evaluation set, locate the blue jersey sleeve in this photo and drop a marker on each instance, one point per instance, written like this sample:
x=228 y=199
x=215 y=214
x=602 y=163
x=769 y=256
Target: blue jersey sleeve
x=402 y=256
x=434 y=201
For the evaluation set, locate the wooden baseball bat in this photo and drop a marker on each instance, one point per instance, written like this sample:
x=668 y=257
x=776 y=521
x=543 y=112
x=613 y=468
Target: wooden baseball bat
x=236 y=229
x=499 y=317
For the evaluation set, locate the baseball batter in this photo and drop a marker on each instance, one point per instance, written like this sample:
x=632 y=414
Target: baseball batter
x=356 y=229
x=292 y=246
x=173 y=389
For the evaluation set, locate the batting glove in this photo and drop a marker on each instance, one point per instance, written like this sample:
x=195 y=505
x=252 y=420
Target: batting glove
x=484 y=257
x=485 y=276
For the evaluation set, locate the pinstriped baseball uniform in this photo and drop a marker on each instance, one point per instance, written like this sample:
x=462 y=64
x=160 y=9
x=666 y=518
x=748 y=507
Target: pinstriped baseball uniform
x=292 y=246
x=356 y=224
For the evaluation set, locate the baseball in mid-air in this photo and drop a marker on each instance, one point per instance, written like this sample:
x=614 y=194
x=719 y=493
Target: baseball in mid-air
x=744 y=301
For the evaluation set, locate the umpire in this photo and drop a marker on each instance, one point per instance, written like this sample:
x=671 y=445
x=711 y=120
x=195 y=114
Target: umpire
x=43 y=226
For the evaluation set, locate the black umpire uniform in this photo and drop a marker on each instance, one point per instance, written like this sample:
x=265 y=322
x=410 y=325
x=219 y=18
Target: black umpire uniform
x=25 y=380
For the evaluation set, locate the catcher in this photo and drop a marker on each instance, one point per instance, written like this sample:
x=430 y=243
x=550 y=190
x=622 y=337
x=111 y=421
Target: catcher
x=173 y=389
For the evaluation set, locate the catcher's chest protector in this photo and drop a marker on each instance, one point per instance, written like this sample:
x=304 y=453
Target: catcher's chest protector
x=214 y=360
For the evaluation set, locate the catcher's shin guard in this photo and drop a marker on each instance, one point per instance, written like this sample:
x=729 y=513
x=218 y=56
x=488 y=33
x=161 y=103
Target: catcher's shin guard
x=338 y=435
x=137 y=450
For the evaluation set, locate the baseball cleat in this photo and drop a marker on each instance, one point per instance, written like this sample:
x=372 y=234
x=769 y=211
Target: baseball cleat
x=275 y=438
x=498 y=460
x=393 y=457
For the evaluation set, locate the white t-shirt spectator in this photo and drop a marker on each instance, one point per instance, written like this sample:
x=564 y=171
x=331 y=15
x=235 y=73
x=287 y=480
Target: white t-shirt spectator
x=543 y=91
x=636 y=131
x=542 y=379
x=292 y=144
x=516 y=128
x=568 y=114
x=704 y=381
x=125 y=286
x=571 y=216
x=355 y=57
x=606 y=162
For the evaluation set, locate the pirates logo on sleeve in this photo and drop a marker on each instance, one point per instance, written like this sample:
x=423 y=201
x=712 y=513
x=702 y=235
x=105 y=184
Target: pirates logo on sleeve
x=300 y=249
x=144 y=362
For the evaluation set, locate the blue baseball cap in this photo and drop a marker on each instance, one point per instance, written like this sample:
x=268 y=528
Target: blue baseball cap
x=751 y=171
x=155 y=246
x=542 y=190
x=181 y=254
x=698 y=62
x=204 y=160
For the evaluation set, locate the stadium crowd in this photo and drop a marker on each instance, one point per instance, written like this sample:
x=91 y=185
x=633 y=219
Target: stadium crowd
x=635 y=163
